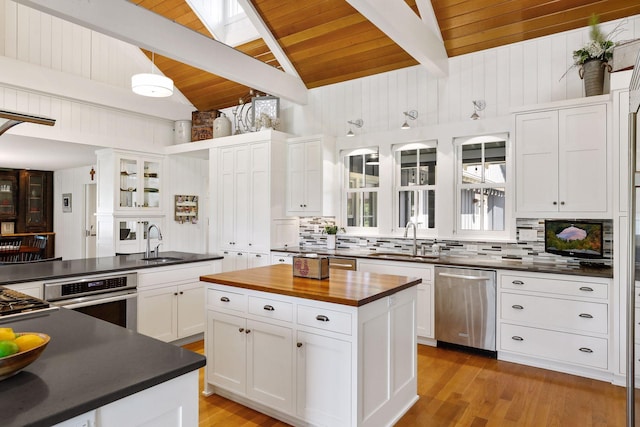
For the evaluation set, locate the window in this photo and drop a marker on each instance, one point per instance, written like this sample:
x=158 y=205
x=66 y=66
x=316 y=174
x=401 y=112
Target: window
x=362 y=175
x=416 y=184
x=481 y=184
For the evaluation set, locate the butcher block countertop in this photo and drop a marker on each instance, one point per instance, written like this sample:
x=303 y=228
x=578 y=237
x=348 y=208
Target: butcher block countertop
x=354 y=288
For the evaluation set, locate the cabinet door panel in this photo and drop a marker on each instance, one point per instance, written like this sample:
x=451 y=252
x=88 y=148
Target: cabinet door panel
x=241 y=197
x=270 y=352
x=226 y=352
x=226 y=193
x=157 y=313
x=296 y=178
x=314 y=185
x=191 y=299
x=260 y=202
x=323 y=380
x=583 y=159
x=537 y=161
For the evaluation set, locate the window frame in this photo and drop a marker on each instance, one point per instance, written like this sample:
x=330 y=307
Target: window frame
x=346 y=190
x=397 y=187
x=458 y=143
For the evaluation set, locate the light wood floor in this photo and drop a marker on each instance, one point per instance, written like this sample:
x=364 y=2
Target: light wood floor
x=460 y=389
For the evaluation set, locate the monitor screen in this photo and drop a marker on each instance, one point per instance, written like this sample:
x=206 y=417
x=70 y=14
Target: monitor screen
x=580 y=239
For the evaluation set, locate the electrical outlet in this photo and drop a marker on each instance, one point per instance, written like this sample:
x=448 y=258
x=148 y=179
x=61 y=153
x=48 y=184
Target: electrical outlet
x=527 y=235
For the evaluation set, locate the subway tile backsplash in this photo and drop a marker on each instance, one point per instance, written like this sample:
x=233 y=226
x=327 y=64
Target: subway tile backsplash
x=528 y=251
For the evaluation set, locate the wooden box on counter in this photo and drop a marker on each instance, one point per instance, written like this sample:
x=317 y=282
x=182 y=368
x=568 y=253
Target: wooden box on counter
x=311 y=267
x=202 y=124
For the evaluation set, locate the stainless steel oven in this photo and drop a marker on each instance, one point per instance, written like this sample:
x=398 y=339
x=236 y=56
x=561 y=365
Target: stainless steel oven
x=113 y=297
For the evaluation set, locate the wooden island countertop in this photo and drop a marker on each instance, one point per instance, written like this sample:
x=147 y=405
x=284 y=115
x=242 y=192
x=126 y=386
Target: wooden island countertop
x=354 y=288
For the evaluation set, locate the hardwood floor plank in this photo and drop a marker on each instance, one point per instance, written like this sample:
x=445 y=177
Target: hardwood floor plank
x=459 y=389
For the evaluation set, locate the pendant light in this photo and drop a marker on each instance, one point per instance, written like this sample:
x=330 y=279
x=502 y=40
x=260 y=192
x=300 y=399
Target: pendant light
x=409 y=115
x=357 y=123
x=150 y=84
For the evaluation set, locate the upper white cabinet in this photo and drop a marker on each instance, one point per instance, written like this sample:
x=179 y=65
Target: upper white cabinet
x=562 y=161
x=311 y=171
x=129 y=182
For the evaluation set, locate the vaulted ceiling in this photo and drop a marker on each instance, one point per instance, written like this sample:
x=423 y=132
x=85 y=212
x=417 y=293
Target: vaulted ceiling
x=322 y=42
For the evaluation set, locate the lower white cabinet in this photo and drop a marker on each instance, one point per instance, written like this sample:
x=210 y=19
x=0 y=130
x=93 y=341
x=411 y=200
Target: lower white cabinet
x=308 y=362
x=555 y=321
x=282 y=258
x=426 y=312
x=258 y=259
x=171 y=300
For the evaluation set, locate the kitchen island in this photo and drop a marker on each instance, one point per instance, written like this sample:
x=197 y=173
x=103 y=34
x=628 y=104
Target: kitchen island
x=337 y=352
x=102 y=372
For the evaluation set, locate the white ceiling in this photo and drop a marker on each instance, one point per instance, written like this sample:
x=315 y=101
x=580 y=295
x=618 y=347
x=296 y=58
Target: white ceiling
x=21 y=152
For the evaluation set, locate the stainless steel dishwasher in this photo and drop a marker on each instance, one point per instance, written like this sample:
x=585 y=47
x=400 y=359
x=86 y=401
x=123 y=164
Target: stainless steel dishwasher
x=466 y=307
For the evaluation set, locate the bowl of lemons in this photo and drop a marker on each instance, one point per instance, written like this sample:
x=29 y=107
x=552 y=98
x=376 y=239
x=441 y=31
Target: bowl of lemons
x=19 y=349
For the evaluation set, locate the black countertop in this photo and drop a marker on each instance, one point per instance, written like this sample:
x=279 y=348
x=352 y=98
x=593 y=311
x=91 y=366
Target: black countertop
x=48 y=270
x=465 y=261
x=87 y=364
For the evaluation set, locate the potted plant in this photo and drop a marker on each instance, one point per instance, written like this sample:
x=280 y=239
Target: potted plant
x=331 y=231
x=593 y=58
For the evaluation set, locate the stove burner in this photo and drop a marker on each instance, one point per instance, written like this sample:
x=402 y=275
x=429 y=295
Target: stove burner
x=12 y=302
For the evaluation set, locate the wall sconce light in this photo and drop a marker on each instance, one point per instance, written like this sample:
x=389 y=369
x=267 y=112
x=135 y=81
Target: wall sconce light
x=408 y=115
x=150 y=84
x=478 y=105
x=357 y=123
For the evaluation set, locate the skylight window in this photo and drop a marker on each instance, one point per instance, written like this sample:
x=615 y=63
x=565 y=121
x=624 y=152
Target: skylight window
x=226 y=20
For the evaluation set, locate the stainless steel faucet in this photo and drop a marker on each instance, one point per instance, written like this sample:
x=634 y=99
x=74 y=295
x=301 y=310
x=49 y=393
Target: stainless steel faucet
x=157 y=250
x=414 y=252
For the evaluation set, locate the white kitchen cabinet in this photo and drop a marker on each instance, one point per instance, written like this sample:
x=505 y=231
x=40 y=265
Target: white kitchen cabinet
x=258 y=259
x=562 y=161
x=171 y=300
x=131 y=234
x=554 y=321
x=129 y=183
x=282 y=257
x=310 y=176
x=298 y=359
x=234 y=260
x=425 y=301
x=249 y=181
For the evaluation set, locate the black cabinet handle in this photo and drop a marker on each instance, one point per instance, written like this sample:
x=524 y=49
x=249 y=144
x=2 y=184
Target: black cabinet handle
x=585 y=350
x=586 y=289
x=269 y=307
x=585 y=316
x=322 y=318
x=555 y=203
x=517 y=338
x=224 y=299
x=517 y=307
x=299 y=345
x=175 y=293
x=258 y=256
x=281 y=260
x=241 y=330
x=518 y=282
x=248 y=331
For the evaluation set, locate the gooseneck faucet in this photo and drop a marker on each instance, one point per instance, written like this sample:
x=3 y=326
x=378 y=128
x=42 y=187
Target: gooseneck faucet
x=414 y=251
x=157 y=250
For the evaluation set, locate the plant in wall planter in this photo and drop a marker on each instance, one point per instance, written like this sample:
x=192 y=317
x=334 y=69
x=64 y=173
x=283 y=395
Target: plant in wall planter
x=331 y=231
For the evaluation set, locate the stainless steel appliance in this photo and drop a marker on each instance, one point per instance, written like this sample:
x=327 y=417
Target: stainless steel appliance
x=14 y=303
x=113 y=298
x=465 y=307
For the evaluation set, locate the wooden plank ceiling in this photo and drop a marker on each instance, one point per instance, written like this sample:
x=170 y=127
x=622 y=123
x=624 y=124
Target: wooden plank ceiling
x=328 y=41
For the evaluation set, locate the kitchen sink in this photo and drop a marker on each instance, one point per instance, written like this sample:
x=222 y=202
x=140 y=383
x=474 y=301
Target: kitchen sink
x=162 y=259
x=408 y=257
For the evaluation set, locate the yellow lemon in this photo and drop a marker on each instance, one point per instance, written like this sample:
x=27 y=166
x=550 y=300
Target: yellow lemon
x=7 y=348
x=7 y=334
x=28 y=341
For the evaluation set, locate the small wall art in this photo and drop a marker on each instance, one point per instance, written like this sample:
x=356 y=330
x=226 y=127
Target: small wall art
x=66 y=202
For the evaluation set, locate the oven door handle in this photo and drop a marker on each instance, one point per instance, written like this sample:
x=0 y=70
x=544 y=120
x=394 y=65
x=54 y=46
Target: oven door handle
x=92 y=300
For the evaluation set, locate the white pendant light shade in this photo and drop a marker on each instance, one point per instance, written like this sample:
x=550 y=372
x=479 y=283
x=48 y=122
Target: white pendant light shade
x=154 y=85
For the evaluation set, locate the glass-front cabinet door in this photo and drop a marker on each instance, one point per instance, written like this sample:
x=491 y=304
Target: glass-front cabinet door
x=8 y=195
x=139 y=182
x=36 y=201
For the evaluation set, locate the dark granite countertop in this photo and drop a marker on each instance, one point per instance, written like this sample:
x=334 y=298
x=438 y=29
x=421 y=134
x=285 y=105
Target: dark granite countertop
x=48 y=270
x=464 y=261
x=87 y=364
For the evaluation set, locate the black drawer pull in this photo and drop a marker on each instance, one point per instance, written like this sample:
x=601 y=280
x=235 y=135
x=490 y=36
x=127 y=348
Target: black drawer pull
x=585 y=350
x=281 y=260
x=241 y=330
x=299 y=345
x=258 y=256
x=517 y=338
x=322 y=318
x=517 y=307
x=248 y=331
x=269 y=307
x=518 y=282
x=224 y=299
x=585 y=316
x=586 y=289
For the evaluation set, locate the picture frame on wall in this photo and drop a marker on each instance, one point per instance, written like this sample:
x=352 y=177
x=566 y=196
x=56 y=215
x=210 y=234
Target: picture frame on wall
x=66 y=202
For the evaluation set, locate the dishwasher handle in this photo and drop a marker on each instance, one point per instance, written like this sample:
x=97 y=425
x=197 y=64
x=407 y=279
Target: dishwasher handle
x=464 y=276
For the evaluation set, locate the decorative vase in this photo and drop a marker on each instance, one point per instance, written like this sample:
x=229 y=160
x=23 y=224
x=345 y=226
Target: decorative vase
x=331 y=241
x=592 y=72
x=221 y=126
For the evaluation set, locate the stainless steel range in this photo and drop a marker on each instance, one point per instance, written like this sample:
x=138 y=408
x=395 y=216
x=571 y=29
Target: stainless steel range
x=14 y=303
